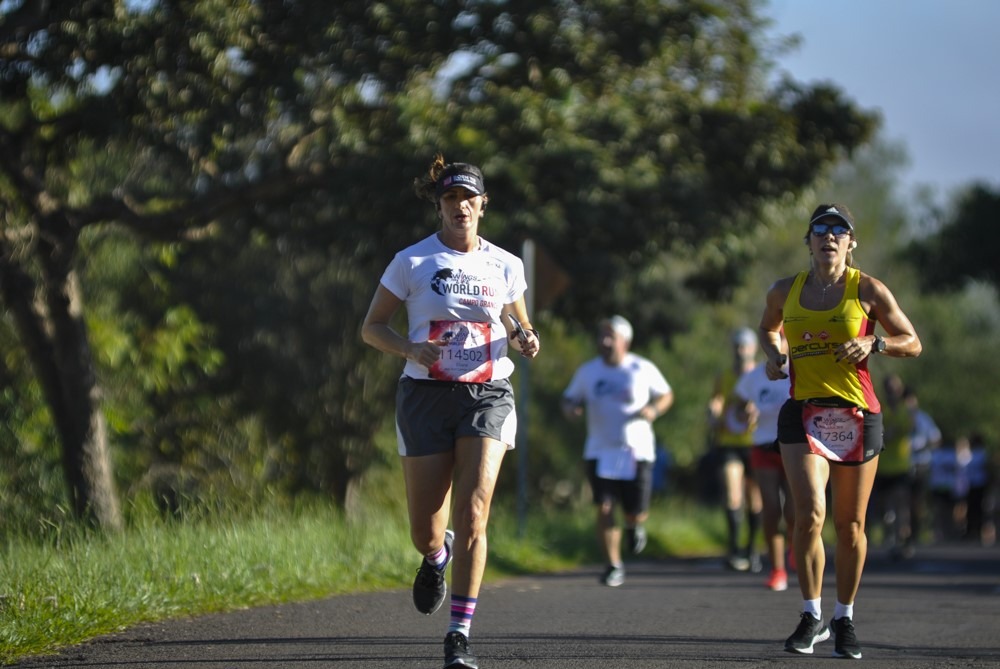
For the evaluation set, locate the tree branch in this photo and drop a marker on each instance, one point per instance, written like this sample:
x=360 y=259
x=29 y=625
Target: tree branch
x=178 y=222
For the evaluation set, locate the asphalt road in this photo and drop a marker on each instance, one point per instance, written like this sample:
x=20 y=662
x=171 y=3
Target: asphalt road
x=940 y=610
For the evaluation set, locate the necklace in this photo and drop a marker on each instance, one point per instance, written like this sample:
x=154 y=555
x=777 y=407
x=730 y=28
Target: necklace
x=827 y=286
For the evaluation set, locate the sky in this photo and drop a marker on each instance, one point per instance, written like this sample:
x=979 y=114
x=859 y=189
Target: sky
x=931 y=68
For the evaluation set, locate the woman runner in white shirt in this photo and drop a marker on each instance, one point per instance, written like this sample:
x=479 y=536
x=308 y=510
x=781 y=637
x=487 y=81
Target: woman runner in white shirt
x=455 y=415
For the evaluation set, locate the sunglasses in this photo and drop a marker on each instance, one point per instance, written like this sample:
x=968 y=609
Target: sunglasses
x=824 y=229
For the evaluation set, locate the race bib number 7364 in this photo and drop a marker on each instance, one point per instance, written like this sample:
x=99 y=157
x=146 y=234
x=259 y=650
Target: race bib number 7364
x=836 y=433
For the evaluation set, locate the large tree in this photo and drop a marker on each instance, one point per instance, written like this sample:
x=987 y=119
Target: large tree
x=272 y=143
x=960 y=248
x=132 y=114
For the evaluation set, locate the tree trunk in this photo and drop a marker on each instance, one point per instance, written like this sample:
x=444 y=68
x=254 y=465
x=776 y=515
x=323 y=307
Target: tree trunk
x=57 y=344
x=86 y=454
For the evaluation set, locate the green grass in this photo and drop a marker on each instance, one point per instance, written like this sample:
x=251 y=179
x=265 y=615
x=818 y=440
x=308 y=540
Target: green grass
x=75 y=588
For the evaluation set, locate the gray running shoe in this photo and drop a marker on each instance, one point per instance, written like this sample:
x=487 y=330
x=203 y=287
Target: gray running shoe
x=636 y=538
x=736 y=562
x=613 y=576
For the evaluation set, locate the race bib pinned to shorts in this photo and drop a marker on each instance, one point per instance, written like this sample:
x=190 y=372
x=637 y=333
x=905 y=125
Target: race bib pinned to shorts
x=465 y=351
x=617 y=464
x=836 y=433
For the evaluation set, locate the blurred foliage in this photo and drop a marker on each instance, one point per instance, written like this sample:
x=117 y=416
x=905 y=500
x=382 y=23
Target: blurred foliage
x=227 y=181
x=958 y=328
x=958 y=318
x=960 y=250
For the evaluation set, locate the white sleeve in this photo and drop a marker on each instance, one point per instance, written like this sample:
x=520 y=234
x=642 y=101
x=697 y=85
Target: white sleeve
x=396 y=277
x=658 y=384
x=743 y=388
x=576 y=390
x=519 y=284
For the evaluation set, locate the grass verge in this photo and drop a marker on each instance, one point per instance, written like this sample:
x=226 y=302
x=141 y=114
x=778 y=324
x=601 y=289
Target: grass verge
x=75 y=588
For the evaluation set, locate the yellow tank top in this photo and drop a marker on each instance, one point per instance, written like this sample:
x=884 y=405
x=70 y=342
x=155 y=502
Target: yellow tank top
x=813 y=336
x=897 y=425
x=724 y=434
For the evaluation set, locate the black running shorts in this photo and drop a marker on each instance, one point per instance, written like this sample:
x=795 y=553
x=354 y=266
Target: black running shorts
x=791 y=431
x=634 y=495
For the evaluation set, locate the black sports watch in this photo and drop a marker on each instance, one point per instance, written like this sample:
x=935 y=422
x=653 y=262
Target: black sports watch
x=879 y=345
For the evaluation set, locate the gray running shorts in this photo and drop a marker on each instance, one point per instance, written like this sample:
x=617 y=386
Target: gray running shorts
x=432 y=415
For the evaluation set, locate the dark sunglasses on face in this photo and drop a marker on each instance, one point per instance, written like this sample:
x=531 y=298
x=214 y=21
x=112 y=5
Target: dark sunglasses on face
x=836 y=229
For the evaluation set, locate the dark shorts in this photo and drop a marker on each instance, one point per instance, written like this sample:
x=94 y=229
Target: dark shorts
x=740 y=454
x=431 y=415
x=634 y=495
x=791 y=431
x=887 y=483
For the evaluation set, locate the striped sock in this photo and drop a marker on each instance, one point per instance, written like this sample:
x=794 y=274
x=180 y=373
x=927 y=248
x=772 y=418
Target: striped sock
x=462 y=609
x=439 y=559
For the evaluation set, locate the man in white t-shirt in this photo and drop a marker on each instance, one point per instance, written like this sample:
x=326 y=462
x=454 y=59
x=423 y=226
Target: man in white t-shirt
x=622 y=394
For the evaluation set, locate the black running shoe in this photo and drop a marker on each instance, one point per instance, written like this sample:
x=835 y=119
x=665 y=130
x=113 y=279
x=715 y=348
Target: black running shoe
x=636 y=538
x=845 y=644
x=456 y=652
x=809 y=633
x=429 y=588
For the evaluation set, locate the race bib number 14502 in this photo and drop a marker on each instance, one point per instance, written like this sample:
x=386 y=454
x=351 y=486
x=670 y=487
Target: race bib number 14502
x=465 y=351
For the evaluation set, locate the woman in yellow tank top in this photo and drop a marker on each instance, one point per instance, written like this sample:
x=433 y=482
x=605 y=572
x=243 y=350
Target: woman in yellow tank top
x=731 y=439
x=830 y=430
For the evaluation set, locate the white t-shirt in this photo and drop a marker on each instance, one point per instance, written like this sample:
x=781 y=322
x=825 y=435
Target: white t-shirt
x=925 y=434
x=768 y=396
x=612 y=396
x=456 y=298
